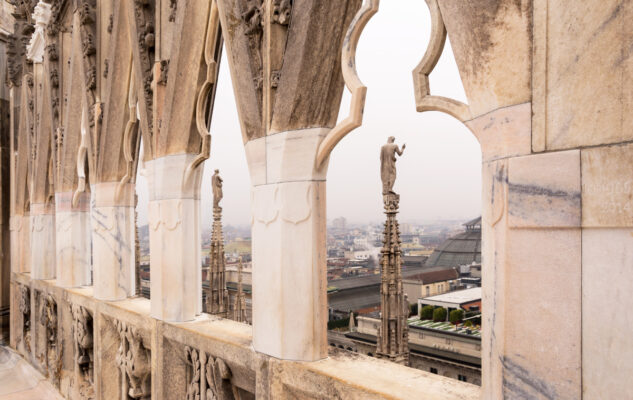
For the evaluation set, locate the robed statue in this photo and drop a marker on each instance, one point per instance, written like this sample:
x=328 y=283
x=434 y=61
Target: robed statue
x=216 y=182
x=388 y=164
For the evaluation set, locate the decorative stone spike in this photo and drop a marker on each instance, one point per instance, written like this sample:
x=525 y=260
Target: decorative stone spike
x=393 y=341
x=239 y=303
x=218 y=295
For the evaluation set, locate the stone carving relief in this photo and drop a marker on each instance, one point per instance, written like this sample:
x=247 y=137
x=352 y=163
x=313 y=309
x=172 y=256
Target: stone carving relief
x=16 y=46
x=144 y=16
x=282 y=10
x=208 y=376
x=82 y=333
x=54 y=64
x=134 y=360
x=173 y=5
x=88 y=31
x=24 y=306
x=253 y=19
x=52 y=351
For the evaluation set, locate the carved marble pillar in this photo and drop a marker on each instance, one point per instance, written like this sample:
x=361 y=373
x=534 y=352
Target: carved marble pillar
x=113 y=241
x=174 y=234
x=42 y=210
x=73 y=240
x=43 y=241
x=288 y=227
x=285 y=63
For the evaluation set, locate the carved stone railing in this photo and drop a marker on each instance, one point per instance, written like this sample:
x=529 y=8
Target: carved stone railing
x=115 y=350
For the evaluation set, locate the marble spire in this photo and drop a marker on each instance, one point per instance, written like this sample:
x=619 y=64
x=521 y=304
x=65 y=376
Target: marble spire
x=217 y=296
x=393 y=340
x=239 y=302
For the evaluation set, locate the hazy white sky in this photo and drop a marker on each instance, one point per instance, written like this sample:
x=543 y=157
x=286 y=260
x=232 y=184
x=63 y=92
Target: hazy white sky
x=439 y=175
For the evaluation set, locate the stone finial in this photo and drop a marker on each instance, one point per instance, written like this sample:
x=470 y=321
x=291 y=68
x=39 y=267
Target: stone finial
x=41 y=17
x=352 y=325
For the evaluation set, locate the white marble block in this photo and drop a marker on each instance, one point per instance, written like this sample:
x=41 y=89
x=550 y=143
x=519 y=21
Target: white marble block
x=20 y=226
x=174 y=234
x=113 y=241
x=43 y=241
x=289 y=259
x=72 y=240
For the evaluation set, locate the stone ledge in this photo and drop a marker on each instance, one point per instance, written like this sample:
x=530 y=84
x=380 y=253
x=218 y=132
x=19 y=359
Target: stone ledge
x=342 y=375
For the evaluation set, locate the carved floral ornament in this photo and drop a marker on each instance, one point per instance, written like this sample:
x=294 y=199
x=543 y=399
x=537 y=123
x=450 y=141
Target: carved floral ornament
x=207 y=376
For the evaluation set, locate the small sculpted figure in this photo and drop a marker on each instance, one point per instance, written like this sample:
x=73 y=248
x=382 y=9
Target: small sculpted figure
x=388 y=164
x=216 y=182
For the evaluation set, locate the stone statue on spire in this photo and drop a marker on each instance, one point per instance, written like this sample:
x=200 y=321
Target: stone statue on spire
x=217 y=295
x=393 y=336
x=216 y=183
x=388 y=164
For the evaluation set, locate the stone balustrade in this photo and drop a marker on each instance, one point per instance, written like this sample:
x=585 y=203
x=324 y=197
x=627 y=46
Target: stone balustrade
x=173 y=360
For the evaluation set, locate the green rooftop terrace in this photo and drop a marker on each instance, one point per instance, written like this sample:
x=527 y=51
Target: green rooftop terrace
x=475 y=330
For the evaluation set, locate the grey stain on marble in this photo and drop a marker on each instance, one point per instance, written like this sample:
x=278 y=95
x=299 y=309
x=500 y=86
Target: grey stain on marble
x=520 y=383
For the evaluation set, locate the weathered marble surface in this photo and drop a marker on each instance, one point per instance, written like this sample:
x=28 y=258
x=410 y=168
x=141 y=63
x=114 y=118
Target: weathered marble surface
x=174 y=229
x=544 y=190
x=113 y=241
x=607 y=186
x=607 y=346
x=19 y=380
x=586 y=83
x=504 y=132
x=542 y=357
x=491 y=41
x=73 y=241
x=288 y=207
x=43 y=250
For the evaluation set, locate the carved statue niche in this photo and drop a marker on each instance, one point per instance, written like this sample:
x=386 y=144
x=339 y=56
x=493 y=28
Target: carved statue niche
x=51 y=50
x=48 y=318
x=173 y=5
x=91 y=79
x=134 y=360
x=164 y=71
x=83 y=343
x=88 y=45
x=85 y=14
x=54 y=78
x=282 y=10
x=24 y=306
x=253 y=19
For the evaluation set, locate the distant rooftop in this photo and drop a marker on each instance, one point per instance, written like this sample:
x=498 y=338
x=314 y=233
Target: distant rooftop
x=461 y=249
x=455 y=298
x=429 y=277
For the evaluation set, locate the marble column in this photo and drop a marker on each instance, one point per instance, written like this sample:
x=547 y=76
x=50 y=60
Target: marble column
x=113 y=240
x=43 y=241
x=289 y=232
x=174 y=234
x=72 y=240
